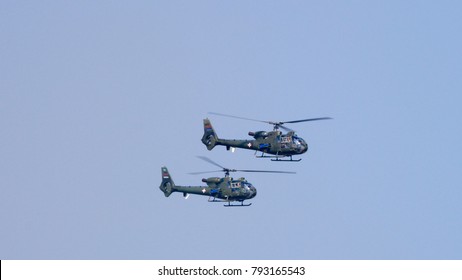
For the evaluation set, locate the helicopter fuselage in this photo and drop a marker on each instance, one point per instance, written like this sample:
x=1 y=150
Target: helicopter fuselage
x=225 y=189
x=270 y=142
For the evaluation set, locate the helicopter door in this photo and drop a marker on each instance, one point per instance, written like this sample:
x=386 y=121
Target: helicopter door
x=264 y=146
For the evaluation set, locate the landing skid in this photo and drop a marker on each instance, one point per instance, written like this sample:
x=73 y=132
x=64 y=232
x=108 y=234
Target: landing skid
x=278 y=158
x=236 y=205
x=294 y=160
x=213 y=199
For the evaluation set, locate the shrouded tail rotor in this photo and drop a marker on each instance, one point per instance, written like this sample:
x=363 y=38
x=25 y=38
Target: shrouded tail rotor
x=167 y=186
x=210 y=137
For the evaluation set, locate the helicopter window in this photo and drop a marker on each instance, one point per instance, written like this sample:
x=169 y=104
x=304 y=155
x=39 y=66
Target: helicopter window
x=286 y=139
x=236 y=185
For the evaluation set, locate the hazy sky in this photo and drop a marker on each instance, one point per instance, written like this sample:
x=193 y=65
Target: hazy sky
x=96 y=96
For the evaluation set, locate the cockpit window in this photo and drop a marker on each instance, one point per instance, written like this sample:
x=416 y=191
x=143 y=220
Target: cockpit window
x=235 y=184
x=247 y=185
x=286 y=139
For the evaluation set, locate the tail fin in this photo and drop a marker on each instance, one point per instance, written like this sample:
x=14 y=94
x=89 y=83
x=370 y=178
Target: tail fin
x=167 y=185
x=210 y=138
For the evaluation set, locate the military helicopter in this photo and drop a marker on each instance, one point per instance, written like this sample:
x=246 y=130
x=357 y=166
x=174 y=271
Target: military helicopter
x=275 y=143
x=226 y=189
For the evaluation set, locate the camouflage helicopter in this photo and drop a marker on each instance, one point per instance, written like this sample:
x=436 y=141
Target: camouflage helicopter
x=225 y=189
x=275 y=143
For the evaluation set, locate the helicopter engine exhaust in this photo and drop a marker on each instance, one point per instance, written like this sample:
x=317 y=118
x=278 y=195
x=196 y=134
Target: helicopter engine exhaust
x=213 y=180
x=259 y=134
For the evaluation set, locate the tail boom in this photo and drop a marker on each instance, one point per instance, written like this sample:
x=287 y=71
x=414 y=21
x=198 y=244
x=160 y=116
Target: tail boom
x=167 y=186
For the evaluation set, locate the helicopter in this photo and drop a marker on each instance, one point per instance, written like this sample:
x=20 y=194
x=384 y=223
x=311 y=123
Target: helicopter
x=274 y=143
x=226 y=189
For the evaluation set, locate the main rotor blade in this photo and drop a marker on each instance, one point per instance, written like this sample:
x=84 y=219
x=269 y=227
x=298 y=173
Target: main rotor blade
x=279 y=124
x=308 y=120
x=238 y=170
x=204 y=172
x=236 y=117
x=265 y=171
x=211 y=161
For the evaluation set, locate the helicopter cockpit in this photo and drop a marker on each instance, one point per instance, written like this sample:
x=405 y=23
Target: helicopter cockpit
x=293 y=142
x=243 y=187
x=249 y=189
x=300 y=144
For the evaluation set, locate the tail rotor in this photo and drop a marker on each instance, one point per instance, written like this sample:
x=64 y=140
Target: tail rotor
x=167 y=186
x=209 y=138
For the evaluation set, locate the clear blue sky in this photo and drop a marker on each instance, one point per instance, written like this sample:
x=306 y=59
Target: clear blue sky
x=96 y=96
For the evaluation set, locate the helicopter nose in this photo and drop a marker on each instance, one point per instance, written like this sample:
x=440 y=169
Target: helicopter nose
x=253 y=192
